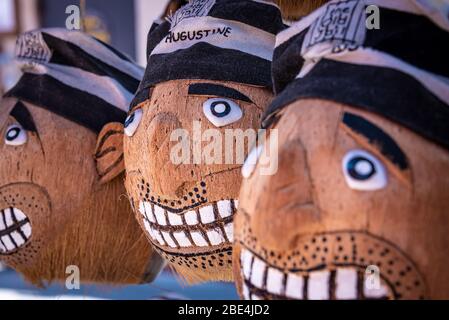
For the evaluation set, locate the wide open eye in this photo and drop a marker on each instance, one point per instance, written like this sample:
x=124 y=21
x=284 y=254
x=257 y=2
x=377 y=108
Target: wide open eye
x=221 y=112
x=363 y=171
x=132 y=122
x=15 y=135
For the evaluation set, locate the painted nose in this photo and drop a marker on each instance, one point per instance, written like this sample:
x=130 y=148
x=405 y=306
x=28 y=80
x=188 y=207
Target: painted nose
x=155 y=151
x=285 y=207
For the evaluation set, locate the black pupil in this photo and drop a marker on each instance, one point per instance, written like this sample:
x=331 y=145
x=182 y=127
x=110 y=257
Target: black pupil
x=355 y=173
x=12 y=134
x=129 y=120
x=220 y=113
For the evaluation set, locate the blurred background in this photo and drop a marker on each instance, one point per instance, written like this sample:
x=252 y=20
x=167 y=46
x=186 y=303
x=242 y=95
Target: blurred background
x=124 y=24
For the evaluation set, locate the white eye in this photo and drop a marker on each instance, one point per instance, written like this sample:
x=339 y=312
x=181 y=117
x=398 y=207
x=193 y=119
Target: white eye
x=363 y=171
x=221 y=112
x=132 y=122
x=15 y=135
x=251 y=161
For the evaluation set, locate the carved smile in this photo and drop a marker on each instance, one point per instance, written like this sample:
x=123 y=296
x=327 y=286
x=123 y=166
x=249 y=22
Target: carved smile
x=203 y=227
x=15 y=230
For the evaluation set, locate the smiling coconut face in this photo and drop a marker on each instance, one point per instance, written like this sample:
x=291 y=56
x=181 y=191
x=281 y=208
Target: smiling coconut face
x=61 y=179
x=207 y=82
x=187 y=209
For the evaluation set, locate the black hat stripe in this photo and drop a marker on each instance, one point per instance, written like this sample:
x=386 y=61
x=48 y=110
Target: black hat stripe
x=70 y=55
x=96 y=49
x=75 y=105
x=406 y=102
x=223 y=64
x=263 y=15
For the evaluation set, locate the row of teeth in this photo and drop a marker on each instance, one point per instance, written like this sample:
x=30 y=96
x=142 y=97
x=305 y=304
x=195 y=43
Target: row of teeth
x=290 y=285
x=177 y=239
x=16 y=236
x=205 y=215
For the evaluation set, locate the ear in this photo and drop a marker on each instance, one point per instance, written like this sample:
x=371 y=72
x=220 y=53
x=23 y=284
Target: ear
x=109 y=152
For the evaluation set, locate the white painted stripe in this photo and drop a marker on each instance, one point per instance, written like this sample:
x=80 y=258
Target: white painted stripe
x=246 y=261
x=174 y=219
x=160 y=215
x=215 y=237
x=103 y=87
x=224 y=208
x=229 y=230
x=242 y=37
x=191 y=218
x=437 y=11
x=169 y=239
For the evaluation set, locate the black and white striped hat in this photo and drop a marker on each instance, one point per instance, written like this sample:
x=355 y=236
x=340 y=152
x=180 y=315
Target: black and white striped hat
x=399 y=71
x=75 y=76
x=227 y=40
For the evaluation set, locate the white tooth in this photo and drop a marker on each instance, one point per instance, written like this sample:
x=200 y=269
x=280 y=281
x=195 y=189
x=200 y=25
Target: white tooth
x=294 y=287
x=8 y=218
x=174 y=219
x=169 y=240
x=255 y=297
x=346 y=284
x=373 y=293
x=2 y=225
x=142 y=208
x=148 y=228
x=274 y=281
x=182 y=239
x=207 y=214
x=2 y=248
x=224 y=208
x=160 y=215
x=20 y=216
x=318 y=288
x=229 y=229
x=158 y=237
x=191 y=218
x=245 y=292
x=258 y=273
x=8 y=244
x=17 y=238
x=246 y=262
x=149 y=212
x=215 y=237
x=198 y=239
x=236 y=204
x=26 y=229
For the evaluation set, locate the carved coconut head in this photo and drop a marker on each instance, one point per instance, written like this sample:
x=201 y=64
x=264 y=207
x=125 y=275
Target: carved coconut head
x=61 y=181
x=206 y=85
x=358 y=206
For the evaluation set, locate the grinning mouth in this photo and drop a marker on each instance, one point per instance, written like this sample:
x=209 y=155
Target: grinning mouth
x=15 y=230
x=202 y=227
x=264 y=281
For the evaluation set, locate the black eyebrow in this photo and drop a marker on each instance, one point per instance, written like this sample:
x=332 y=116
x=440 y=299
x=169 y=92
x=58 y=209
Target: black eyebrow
x=23 y=117
x=212 y=89
x=376 y=136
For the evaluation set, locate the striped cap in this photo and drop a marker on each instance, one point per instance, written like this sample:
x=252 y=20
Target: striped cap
x=75 y=76
x=225 y=40
x=398 y=71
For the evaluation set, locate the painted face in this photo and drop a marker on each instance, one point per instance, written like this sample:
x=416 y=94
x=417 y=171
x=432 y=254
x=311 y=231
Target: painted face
x=186 y=209
x=50 y=197
x=357 y=210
